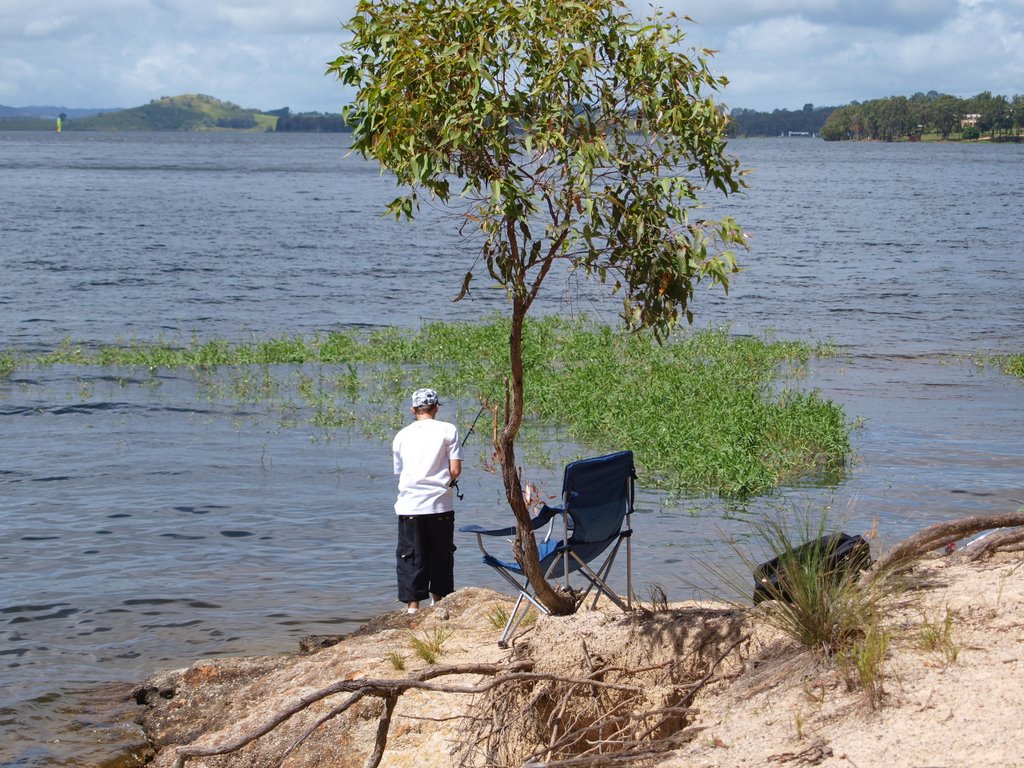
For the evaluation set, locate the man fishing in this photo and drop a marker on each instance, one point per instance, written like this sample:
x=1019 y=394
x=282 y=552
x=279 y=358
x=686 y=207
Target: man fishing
x=428 y=460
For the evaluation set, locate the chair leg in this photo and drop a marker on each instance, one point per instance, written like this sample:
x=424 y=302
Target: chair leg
x=524 y=596
x=522 y=589
x=599 y=579
x=629 y=569
x=513 y=622
x=602 y=586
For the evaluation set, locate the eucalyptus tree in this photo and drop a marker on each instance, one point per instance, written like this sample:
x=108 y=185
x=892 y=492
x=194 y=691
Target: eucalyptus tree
x=583 y=139
x=1017 y=113
x=992 y=112
x=842 y=124
x=1001 y=115
x=945 y=115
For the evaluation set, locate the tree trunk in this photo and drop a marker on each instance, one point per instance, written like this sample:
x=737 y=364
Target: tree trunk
x=525 y=546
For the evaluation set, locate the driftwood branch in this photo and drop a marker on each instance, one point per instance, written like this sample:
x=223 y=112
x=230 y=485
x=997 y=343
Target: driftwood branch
x=383 y=727
x=935 y=536
x=696 y=687
x=334 y=712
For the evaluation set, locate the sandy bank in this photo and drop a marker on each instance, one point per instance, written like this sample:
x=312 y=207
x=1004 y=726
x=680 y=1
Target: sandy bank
x=952 y=682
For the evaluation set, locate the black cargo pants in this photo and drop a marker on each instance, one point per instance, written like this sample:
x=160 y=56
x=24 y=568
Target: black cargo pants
x=426 y=556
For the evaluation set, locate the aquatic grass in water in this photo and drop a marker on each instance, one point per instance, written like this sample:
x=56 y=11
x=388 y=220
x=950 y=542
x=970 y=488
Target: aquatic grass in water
x=703 y=412
x=1014 y=365
x=1011 y=365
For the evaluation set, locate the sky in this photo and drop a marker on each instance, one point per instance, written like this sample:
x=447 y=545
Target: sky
x=268 y=54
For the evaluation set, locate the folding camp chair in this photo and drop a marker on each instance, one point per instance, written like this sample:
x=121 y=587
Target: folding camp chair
x=597 y=502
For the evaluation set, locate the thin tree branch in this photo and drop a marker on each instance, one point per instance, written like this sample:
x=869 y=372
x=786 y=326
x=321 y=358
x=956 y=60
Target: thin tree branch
x=320 y=721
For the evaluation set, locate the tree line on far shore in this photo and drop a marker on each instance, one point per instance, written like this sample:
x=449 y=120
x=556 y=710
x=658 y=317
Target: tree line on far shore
x=308 y=122
x=898 y=118
x=780 y=122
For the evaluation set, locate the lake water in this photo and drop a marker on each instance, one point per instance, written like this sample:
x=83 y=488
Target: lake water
x=144 y=525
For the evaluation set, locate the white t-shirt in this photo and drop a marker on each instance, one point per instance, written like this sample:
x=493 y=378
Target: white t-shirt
x=421 y=454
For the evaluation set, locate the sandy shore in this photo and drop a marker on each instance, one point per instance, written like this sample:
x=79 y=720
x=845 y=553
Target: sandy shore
x=951 y=698
x=951 y=685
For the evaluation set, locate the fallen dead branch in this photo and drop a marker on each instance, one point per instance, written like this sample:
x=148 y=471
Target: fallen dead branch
x=812 y=755
x=935 y=536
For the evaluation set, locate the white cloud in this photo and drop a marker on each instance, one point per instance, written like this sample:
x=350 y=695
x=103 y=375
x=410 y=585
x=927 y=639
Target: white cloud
x=798 y=51
x=46 y=27
x=14 y=72
x=272 y=53
x=276 y=18
x=164 y=69
x=896 y=14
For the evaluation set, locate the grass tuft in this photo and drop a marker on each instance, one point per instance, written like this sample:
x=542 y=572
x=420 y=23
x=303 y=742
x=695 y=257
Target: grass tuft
x=430 y=644
x=937 y=637
x=657 y=598
x=397 y=660
x=498 y=617
x=863 y=663
x=821 y=608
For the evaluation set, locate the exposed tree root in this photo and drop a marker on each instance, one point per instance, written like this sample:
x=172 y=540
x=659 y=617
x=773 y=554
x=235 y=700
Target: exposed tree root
x=565 y=722
x=601 y=718
x=940 y=534
x=388 y=690
x=999 y=541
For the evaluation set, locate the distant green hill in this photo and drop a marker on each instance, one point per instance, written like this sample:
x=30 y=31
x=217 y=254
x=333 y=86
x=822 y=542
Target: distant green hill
x=50 y=111
x=191 y=112
x=19 y=123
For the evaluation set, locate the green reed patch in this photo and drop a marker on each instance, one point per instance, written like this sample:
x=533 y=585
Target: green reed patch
x=703 y=412
x=7 y=364
x=1014 y=365
x=1011 y=365
x=197 y=355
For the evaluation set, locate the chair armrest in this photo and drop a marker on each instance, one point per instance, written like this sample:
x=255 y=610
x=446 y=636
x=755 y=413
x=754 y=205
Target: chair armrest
x=481 y=531
x=543 y=518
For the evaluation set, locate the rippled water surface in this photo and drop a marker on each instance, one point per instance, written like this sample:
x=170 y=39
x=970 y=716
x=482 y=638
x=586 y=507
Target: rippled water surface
x=144 y=524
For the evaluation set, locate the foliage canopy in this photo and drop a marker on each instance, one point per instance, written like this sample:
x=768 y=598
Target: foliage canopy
x=579 y=133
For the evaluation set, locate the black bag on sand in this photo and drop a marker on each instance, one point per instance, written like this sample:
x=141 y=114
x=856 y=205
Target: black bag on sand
x=843 y=555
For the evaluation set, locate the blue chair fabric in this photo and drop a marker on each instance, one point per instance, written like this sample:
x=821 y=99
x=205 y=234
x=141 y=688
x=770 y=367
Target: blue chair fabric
x=597 y=504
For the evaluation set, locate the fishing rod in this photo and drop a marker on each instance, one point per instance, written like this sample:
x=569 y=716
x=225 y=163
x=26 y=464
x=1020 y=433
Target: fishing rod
x=472 y=427
x=470 y=431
